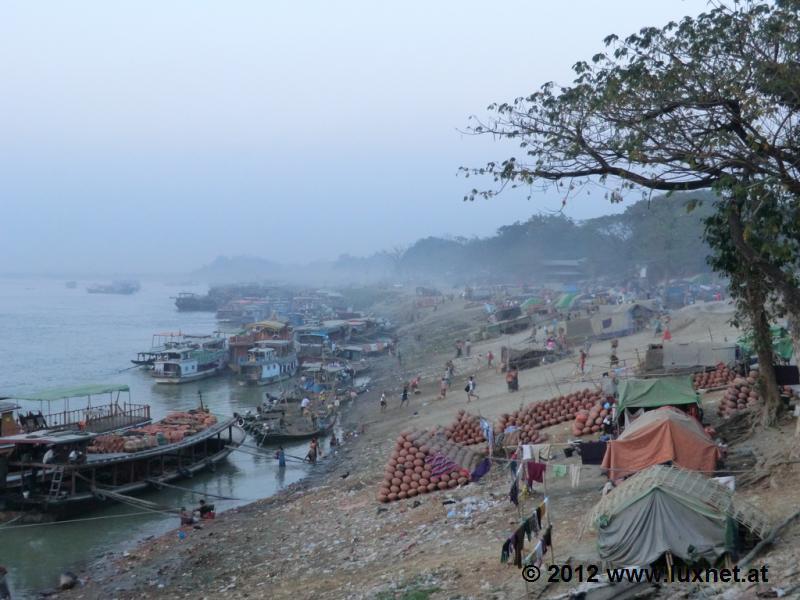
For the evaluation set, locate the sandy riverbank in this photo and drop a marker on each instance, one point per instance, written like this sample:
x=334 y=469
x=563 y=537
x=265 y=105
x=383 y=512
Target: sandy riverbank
x=328 y=537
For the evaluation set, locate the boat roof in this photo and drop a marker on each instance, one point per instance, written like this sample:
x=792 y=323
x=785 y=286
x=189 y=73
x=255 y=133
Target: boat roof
x=275 y=325
x=8 y=406
x=73 y=392
x=46 y=436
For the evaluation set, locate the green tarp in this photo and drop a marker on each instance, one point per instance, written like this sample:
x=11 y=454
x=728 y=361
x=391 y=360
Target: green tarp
x=75 y=392
x=660 y=521
x=781 y=343
x=565 y=301
x=653 y=393
x=533 y=301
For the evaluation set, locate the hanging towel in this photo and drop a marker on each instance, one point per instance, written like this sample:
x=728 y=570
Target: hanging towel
x=536 y=452
x=559 y=470
x=535 y=471
x=575 y=475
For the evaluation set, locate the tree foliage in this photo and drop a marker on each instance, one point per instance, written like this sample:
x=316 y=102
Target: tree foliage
x=710 y=102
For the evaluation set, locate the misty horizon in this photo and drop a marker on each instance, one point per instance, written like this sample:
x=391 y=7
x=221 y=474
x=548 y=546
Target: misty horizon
x=154 y=139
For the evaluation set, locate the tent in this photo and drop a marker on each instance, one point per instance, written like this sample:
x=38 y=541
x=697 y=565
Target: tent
x=653 y=393
x=660 y=436
x=664 y=509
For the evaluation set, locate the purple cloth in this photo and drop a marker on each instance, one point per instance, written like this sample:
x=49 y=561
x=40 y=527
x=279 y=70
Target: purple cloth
x=535 y=471
x=482 y=469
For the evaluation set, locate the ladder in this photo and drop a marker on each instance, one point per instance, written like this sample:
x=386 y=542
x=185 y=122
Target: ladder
x=55 y=483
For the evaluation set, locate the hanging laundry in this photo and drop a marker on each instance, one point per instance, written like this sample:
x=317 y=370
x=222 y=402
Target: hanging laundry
x=537 y=554
x=488 y=433
x=535 y=471
x=519 y=541
x=592 y=452
x=513 y=493
x=558 y=471
x=575 y=475
x=482 y=469
x=505 y=552
x=536 y=452
x=547 y=537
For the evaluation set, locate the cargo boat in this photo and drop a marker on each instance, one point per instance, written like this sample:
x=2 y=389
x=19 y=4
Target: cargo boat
x=201 y=357
x=87 y=468
x=159 y=343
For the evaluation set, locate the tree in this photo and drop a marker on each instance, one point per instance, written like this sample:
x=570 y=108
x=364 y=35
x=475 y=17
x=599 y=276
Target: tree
x=711 y=102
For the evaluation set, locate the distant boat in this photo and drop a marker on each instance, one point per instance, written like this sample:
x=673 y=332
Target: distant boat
x=201 y=357
x=116 y=287
x=190 y=302
x=71 y=284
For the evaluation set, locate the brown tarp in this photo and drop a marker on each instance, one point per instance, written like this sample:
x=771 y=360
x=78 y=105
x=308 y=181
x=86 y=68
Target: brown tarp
x=660 y=436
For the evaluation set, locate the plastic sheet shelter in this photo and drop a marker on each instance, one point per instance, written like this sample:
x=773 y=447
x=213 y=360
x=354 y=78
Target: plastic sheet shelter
x=664 y=509
x=666 y=435
x=653 y=393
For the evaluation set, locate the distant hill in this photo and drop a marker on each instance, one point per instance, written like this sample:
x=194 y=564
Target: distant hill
x=658 y=234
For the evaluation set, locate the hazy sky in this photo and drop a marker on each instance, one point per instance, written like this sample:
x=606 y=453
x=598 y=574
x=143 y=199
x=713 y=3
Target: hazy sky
x=154 y=136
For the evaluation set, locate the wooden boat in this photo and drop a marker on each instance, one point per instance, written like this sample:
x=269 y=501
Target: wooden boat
x=269 y=361
x=271 y=428
x=78 y=476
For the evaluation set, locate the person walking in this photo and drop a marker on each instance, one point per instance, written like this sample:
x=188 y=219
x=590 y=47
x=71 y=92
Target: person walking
x=404 y=395
x=489 y=358
x=583 y=361
x=383 y=401
x=470 y=389
x=468 y=348
x=443 y=388
x=281 y=456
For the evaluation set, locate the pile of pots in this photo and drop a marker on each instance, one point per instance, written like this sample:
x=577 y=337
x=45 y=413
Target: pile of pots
x=466 y=429
x=538 y=415
x=720 y=376
x=411 y=470
x=172 y=428
x=742 y=394
x=590 y=420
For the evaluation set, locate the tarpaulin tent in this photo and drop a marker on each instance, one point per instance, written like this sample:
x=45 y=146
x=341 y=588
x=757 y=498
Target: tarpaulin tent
x=565 y=301
x=653 y=393
x=664 y=509
x=660 y=436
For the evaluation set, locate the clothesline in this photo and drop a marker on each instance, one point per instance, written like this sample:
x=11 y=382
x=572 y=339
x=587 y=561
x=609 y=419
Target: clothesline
x=626 y=470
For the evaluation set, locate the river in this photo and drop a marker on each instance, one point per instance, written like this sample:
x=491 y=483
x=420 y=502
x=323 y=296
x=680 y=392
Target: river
x=53 y=336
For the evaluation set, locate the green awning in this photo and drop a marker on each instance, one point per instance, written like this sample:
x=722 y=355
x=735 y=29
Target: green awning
x=74 y=392
x=565 y=301
x=532 y=301
x=653 y=393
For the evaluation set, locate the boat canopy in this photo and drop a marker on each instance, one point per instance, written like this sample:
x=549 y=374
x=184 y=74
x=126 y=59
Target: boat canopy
x=270 y=325
x=74 y=392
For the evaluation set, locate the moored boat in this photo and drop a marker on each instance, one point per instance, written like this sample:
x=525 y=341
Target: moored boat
x=83 y=468
x=272 y=427
x=160 y=343
x=201 y=357
x=269 y=361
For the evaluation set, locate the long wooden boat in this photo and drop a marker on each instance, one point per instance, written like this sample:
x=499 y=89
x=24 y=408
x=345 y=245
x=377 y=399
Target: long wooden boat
x=270 y=429
x=63 y=487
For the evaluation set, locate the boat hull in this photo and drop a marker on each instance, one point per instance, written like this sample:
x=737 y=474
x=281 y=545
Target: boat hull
x=187 y=378
x=227 y=436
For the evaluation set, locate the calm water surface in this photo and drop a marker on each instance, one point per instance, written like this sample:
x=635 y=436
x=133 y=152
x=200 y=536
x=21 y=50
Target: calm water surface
x=52 y=337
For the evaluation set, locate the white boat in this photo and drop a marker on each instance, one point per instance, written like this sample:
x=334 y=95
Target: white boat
x=269 y=361
x=203 y=356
